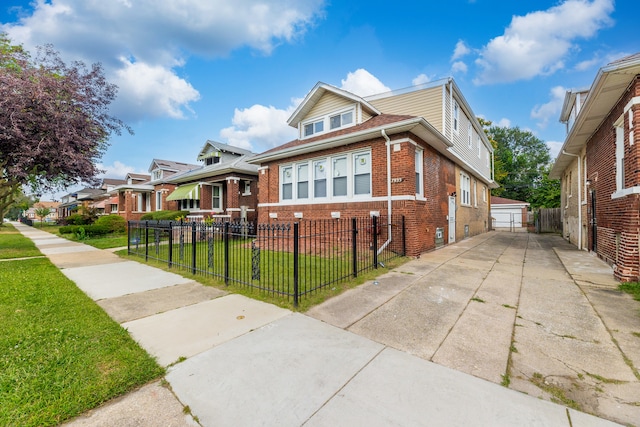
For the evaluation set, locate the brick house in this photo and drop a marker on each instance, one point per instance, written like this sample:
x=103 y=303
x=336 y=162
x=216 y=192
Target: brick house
x=418 y=152
x=599 y=167
x=225 y=186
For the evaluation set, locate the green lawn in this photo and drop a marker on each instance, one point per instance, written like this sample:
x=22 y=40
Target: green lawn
x=14 y=245
x=632 y=288
x=60 y=354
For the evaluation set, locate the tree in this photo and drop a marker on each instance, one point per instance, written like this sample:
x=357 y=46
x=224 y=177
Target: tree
x=42 y=212
x=547 y=194
x=54 y=121
x=523 y=160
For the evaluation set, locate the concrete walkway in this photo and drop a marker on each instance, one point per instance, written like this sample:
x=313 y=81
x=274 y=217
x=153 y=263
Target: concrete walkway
x=365 y=357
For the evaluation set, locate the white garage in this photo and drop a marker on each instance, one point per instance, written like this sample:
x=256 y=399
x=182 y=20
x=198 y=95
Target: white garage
x=508 y=213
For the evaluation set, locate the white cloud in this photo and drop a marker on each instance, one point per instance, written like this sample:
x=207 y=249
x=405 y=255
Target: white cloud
x=554 y=148
x=504 y=123
x=538 y=43
x=599 y=60
x=421 y=79
x=363 y=83
x=156 y=36
x=460 y=50
x=459 y=67
x=259 y=128
x=542 y=113
x=116 y=170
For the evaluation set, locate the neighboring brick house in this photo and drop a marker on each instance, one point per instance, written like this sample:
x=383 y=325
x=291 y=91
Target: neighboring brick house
x=508 y=213
x=427 y=137
x=225 y=186
x=599 y=166
x=74 y=200
x=51 y=217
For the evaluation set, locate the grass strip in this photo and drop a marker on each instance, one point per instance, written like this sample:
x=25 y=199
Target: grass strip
x=60 y=354
x=15 y=245
x=632 y=288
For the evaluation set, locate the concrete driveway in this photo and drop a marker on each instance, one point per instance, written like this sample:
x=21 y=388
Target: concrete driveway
x=527 y=311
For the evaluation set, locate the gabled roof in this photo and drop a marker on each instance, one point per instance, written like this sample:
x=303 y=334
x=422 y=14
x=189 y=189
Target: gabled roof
x=607 y=88
x=569 y=101
x=219 y=146
x=139 y=176
x=170 y=165
x=314 y=96
x=227 y=166
x=113 y=181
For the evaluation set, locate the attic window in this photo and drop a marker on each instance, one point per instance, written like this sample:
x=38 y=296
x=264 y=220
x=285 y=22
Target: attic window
x=314 y=127
x=330 y=122
x=212 y=160
x=340 y=120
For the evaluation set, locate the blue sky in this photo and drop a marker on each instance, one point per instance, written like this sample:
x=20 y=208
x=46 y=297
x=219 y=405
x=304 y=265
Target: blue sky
x=233 y=71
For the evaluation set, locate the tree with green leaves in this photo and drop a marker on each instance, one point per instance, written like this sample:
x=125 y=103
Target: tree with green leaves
x=522 y=159
x=54 y=121
x=42 y=212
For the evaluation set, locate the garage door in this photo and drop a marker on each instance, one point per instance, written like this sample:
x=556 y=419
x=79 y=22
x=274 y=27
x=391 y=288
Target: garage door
x=506 y=218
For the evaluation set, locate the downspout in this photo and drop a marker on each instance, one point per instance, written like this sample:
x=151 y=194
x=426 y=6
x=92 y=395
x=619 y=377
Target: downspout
x=579 y=198
x=384 y=134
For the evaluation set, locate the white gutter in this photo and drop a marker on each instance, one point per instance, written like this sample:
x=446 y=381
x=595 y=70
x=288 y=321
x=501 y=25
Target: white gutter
x=450 y=110
x=577 y=156
x=384 y=134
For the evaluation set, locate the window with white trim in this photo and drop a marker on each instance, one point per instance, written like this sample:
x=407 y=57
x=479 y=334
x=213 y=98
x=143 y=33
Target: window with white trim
x=484 y=194
x=320 y=178
x=302 y=176
x=619 y=153
x=362 y=173
x=312 y=128
x=330 y=122
x=475 y=193
x=338 y=177
x=216 y=197
x=340 y=120
x=469 y=136
x=157 y=174
x=247 y=188
x=479 y=143
x=465 y=189
x=419 y=173
x=456 y=115
x=287 y=183
x=158 y=200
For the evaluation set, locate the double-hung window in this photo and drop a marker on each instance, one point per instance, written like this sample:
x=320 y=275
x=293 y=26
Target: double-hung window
x=361 y=173
x=465 y=189
x=619 y=127
x=287 y=183
x=320 y=178
x=419 y=169
x=303 y=180
x=216 y=197
x=340 y=176
x=456 y=115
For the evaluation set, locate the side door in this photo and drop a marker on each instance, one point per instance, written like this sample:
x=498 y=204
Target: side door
x=452 y=219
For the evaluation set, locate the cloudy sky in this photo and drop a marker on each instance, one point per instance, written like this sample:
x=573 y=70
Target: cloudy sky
x=233 y=71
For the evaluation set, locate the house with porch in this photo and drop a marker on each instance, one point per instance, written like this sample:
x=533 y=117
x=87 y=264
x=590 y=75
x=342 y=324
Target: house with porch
x=599 y=167
x=419 y=152
x=224 y=186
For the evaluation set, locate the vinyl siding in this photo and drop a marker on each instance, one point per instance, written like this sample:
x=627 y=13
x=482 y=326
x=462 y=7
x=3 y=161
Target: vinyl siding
x=425 y=103
x=327 y=104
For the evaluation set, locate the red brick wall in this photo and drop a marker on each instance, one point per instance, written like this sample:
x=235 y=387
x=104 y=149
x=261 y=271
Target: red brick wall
x=618 y=219
x=421 y=217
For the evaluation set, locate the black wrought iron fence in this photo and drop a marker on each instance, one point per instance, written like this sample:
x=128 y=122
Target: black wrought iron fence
x=288 y=259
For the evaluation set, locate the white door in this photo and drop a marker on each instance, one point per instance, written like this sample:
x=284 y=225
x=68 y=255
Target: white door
x=452 y=219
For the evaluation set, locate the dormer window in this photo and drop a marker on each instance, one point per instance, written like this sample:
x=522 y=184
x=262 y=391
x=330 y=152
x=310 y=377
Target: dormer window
x=157 y=174
x=340 y=120
x=330 y=122
x=314 y=127
x=212 y=161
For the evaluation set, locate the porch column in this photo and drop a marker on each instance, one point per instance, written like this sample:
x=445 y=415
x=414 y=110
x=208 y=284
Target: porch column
x=232 y=202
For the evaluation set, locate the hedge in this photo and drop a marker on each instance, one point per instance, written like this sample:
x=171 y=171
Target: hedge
x=115 y=223
x=89 y=230
x=164 y=215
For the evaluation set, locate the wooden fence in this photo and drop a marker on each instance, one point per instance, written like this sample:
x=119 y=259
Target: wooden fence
x=548 y=220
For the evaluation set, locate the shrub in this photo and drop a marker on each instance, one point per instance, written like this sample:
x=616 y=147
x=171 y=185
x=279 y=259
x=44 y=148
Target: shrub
x=68 y=229
x=97 y=230
x=76 y=219
x=163 y=215
x=114 y=223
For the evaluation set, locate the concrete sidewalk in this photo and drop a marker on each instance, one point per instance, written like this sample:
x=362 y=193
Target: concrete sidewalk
x=251 y=363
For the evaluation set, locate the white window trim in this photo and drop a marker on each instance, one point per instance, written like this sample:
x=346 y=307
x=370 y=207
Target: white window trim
x=465 y=189
x=327 y=123
x=619 y=130
x=469 y=136
x=455 y=112
x=221 y=208
x=247 y=188
x=475 y=193
x=158 y=200
x=420 y=171
x=330 y=198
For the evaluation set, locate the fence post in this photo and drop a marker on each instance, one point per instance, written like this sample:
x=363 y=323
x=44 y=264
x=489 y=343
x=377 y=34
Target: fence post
x=170 y=261
x=193 y=247
x=146 y=241
x=354 y=246
x=404 y=238
x=226 y=253
x=128 y=237
x=374 y=233
x=296 y=236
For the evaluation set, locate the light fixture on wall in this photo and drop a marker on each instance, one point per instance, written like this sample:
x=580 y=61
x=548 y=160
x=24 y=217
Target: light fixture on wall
x=588 y=182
